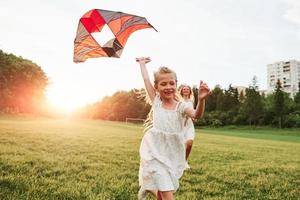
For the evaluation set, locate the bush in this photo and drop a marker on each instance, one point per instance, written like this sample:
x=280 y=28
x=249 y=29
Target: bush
x=216 y=123
x=292 y=120
x=214 y=118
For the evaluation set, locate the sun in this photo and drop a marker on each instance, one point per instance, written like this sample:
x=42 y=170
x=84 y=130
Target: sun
x=64 y=102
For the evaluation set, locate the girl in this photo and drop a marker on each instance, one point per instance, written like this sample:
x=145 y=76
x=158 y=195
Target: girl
x=186 y=94
x=162 y=150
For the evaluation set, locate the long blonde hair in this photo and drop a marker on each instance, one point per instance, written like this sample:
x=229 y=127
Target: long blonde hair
x=191 y=96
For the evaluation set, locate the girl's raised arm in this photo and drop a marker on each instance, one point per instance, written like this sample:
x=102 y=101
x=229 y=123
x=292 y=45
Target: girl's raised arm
x=149 y=87
x=204 y=91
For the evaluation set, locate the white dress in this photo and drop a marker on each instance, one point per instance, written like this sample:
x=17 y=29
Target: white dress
x=189 y=129
x=162 y=150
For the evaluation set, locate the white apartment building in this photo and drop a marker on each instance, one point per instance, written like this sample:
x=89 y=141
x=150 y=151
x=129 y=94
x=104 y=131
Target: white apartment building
x=288 y=72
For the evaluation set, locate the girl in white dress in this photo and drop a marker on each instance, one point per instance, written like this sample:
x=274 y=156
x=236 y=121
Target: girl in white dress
x=187 y=96
x=162 y=150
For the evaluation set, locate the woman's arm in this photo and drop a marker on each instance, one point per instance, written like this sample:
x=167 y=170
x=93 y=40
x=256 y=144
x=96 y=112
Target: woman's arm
x=204 y=91
x=148 y=85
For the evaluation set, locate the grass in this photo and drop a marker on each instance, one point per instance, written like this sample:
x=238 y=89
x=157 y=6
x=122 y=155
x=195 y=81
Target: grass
x=290 y=135
x=69 y=159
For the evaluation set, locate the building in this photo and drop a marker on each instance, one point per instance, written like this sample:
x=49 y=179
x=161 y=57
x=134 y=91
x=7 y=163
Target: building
x=288 y=72
x=240 y=89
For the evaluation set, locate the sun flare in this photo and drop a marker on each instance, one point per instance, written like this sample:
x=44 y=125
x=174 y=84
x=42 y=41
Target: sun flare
x=65 y=102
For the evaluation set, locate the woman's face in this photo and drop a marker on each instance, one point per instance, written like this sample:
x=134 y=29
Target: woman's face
x=166 y=86
x=185 y=91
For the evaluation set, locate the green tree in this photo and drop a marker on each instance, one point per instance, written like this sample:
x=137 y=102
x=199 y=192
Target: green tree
x=214 y=101
x=269 y=112
x=252 y=107
x=231 y=99
x=279 y=103
x=297 y=102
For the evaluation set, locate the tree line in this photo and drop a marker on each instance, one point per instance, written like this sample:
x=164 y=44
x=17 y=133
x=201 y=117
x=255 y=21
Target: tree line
x=223 y=107
x=228 y=107
x=118 y=107
x=23 y=85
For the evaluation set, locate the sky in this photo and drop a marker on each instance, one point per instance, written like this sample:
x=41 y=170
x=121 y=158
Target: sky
x=221 y=42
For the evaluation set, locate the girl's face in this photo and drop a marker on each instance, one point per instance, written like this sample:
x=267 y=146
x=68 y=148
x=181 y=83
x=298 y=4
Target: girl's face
x=185 y=91
x=166 y=86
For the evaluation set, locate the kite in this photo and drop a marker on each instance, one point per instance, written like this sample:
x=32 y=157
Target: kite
x=122 y=25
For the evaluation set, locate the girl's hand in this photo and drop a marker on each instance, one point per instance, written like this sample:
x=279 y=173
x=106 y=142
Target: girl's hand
x=143 y=60
x=204 y=91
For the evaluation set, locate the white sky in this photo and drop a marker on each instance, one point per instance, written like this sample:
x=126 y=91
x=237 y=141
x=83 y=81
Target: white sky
x=218 y=41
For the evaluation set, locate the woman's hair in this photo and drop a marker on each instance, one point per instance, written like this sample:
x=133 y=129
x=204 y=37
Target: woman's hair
x=180 y=90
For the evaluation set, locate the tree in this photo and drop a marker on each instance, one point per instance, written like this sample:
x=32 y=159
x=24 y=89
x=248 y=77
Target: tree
x=297 y=102
x=22 y=84
x=214 y=101
x=254 y=83
x=241 y=97
x=230 y=99
x=251 y=107
x=118 y=107
x=269 y=113
x=279 y=103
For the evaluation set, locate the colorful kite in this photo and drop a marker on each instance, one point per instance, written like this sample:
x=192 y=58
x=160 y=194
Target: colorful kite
x=120 y=24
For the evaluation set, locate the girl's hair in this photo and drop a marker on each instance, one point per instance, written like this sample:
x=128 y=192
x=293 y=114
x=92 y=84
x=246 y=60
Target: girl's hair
x=180 y=88
x=161 y=70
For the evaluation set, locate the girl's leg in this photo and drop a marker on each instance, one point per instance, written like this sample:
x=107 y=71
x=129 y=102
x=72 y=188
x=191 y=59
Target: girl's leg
x=166 y=195
x=189 y=145
x=159 y=196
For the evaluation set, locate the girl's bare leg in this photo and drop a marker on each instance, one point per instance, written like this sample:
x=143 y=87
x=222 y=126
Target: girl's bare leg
x=189 y=145
x=166 y=195
x=159 y=195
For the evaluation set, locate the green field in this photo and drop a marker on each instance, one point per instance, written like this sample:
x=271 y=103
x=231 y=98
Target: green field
x=82 y=159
